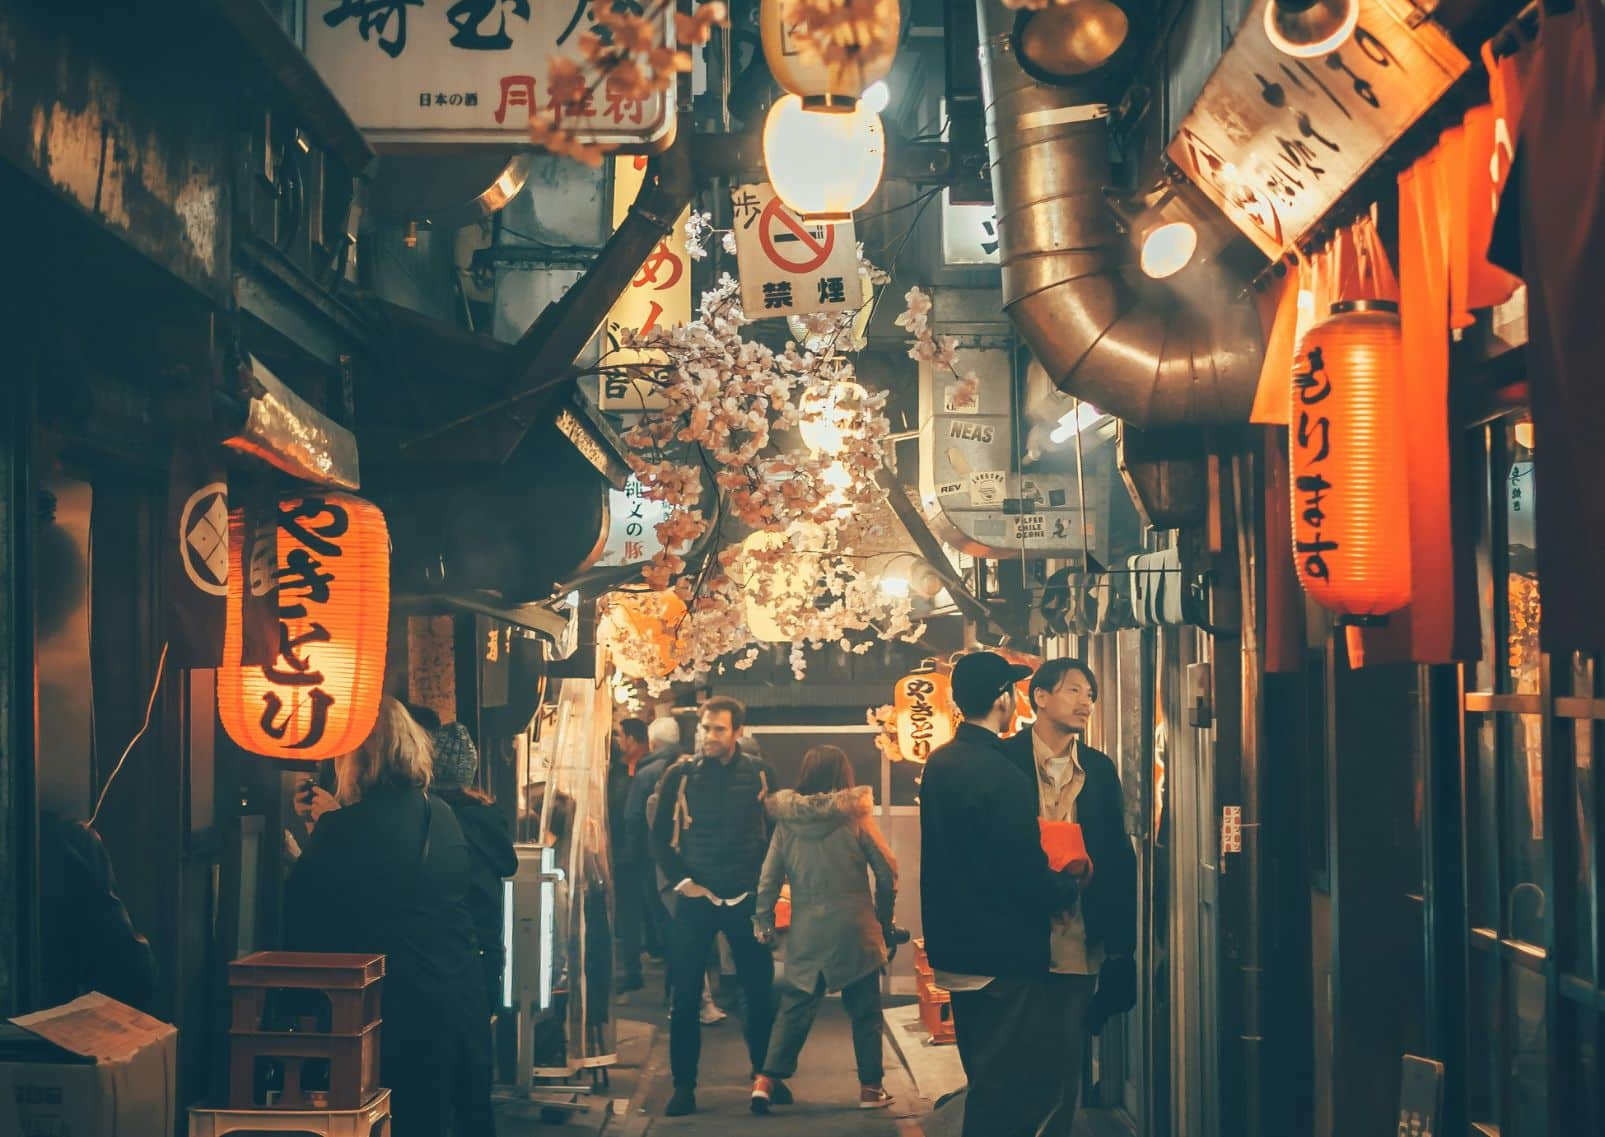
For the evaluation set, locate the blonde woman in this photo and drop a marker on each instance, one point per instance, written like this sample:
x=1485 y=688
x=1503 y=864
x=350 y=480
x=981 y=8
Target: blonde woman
x=388 y=872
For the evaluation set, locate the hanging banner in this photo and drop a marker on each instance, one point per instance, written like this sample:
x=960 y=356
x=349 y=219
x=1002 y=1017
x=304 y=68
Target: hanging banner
x=196 y=553
x=659 y=296
x=789 y=266
x=1275 y=141
x=472 y=71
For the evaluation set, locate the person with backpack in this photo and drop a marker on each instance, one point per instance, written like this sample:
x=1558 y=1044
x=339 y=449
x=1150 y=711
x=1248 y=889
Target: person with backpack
x=710 y=833
x=826 y=844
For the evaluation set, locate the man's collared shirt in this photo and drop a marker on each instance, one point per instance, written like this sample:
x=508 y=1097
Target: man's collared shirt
x=1060 y=778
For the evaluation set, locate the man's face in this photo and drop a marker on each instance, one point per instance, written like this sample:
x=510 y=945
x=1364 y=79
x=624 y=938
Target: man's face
x=719 y=735
x=1068 y=705
x=621 y=742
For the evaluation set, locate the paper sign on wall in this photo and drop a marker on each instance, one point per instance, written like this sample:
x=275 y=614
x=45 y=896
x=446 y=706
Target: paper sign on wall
x=658 y=296
x=790 y=266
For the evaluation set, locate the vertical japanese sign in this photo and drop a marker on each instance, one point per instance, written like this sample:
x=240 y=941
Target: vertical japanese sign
x=633 y=519
x=789 y=266
x=1276 y=141
x=418 y=71
x=659 y=295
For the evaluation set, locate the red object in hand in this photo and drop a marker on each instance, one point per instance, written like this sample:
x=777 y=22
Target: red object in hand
x=1063 y=843
x=783 y=909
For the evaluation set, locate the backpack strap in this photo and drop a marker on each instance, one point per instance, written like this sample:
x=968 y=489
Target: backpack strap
x=682 y=811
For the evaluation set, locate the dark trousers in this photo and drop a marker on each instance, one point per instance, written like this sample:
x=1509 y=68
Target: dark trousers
x=795 y=1018
x=696 y=923
x=629 y=913
x=434 y=1081
x=1013 y=1038
x=1070 y=995
x=656 y=924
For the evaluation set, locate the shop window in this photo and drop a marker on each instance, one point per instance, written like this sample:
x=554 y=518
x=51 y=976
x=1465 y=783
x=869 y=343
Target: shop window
x=1482 y=847
x=1529 y=1052
x=1580 y=960
x=1523 y=875
x=1582 y=1081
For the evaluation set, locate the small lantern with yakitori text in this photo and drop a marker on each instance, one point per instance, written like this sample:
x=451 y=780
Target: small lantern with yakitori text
x=320 y=697
x=924 y=711
x=1351 y=517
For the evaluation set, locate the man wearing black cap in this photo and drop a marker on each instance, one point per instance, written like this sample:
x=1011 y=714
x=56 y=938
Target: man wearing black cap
x=988 y=899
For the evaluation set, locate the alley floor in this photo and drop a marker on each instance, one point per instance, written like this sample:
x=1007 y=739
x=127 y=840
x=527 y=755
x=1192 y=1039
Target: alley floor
x=826 y=1086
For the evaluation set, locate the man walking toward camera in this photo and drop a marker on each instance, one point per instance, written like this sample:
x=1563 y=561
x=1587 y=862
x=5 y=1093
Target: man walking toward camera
x=1092 y=976
x=709 y=836
x=989 y=897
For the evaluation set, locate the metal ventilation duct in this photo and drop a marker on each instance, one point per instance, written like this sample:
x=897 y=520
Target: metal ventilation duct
x=1156 y=355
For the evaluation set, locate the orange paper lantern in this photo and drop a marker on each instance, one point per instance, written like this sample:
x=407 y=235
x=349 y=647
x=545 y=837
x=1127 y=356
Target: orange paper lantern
x=926 y=717
x=320 y=697
x=1351 y=536
x=641 y=632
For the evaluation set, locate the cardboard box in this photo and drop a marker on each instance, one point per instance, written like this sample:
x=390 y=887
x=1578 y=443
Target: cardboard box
x=89 y=1068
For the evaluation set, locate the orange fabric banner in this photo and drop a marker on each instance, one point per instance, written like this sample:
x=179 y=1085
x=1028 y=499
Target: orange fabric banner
x=1424 y=631
x=1482 y=165
x=1278 y=312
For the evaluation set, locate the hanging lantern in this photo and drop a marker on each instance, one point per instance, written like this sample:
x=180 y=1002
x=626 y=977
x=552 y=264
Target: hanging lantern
x=925 y=716
x=641 y=632
x=795 y=139
x=779 y=594
x=856 y=339
x=320 y=697
x=1351 y=539
x=831 y=76
x=827 y=418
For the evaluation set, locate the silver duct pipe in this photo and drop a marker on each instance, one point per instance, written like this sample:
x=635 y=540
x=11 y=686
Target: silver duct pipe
x=1185 y=352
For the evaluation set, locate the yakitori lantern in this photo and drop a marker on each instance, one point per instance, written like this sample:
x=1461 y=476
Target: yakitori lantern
x=925 y=716
x=822 y=165
x=1351 y=519
x=780 y=575
x=827 y=418
x=320 y=697
x=851 y=54
x=641 y=630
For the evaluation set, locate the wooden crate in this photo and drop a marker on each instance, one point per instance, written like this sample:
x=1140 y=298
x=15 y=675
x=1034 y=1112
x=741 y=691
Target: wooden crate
x=353 y=1068
x=936 y=1015
x=371 y=1120
x=350 y=985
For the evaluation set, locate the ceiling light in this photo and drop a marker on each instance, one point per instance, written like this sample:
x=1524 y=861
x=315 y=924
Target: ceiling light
x=823 y=164
x=1167 y=248
x=1307 y=28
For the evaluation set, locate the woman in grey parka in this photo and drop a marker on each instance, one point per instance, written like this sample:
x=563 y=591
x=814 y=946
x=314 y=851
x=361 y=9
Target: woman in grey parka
x=827 y=845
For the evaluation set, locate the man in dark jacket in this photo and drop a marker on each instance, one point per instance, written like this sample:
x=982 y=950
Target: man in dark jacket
x=1091 y=945
x=663 y=735
x=709 y=836
x=629 y=751
x=988 y=898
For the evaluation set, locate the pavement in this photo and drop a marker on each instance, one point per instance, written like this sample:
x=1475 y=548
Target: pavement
x=631 y=1104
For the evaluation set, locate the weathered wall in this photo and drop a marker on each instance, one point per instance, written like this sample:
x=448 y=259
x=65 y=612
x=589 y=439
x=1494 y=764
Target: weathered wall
x=126 y=118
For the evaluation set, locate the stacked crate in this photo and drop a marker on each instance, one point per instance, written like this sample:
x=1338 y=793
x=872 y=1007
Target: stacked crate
x=936 y=1004
x=297 y=1014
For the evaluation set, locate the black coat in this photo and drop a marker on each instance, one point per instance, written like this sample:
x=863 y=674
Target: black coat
x=987 y=894
x=726 y=834
x=491 y=860
x=360 y=886
x=1109 y=902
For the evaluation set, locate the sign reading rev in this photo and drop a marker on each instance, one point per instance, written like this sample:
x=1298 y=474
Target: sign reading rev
x=790 y=266
x=411 y=71
x=1276 y=141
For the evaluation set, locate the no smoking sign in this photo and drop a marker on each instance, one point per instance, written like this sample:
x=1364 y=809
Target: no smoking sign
x=788 y=266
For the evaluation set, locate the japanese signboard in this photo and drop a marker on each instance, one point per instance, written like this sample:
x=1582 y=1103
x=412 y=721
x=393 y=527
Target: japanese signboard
x=1231 y=829
x=659 y=296
x=1276 y=141
x=969 y=233
x=456 y=71
x=633 y=519
x=789 y=266
x=1420 y=1096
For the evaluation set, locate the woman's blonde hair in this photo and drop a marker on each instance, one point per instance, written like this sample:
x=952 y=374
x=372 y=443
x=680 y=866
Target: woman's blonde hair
x=397 y=753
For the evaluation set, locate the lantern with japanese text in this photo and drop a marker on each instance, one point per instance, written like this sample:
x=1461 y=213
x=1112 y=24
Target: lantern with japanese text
x=1351 y=518
x=640 y=631
x=320 y=697
x=829 y=68
x=925 y=715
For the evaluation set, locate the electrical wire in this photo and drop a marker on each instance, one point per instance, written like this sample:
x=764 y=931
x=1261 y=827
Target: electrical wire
x=150 y=707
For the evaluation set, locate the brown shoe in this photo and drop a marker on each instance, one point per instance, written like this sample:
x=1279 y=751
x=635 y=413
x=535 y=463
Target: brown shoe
x=873 y=1097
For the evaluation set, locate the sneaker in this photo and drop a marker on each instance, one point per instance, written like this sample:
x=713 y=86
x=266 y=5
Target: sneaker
x=873 y=1097
x=762 y=1088
x=683 y=1102
x=780 y=1093
x=710 y=1013
x=631 y=983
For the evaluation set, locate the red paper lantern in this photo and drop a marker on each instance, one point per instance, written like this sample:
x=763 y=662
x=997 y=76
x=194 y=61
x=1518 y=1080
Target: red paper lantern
x=926 y=717
x=1351 y=516
x=320 y=697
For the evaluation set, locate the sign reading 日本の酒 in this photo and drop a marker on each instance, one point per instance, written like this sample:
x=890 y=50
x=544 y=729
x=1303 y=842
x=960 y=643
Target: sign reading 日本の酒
x=1275 y=141
x=467 y=71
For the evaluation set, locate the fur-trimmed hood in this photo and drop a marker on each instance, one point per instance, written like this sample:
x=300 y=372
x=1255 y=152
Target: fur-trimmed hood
x=818 y=815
